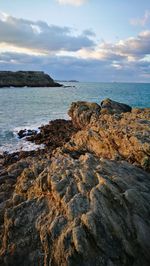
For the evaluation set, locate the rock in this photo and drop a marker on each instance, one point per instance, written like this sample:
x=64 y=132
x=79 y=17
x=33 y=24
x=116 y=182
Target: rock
x=55 y=134
x=81 y=112
x=26 y=133
x=83 y=200
x=26 y=78
x=111 y=107
x=116 y=137
x=107 y=221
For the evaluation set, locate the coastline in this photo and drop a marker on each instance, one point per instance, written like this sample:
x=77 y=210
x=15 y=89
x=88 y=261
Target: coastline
x=37 y=106
x=82 y=190
x=26 y=79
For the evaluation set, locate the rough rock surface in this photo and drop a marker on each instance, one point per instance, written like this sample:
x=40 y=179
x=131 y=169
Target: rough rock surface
x=81 y=112
x=55 y=134
x=26 y=78
x=112 y=107
x=85 y=204
x=124 y=136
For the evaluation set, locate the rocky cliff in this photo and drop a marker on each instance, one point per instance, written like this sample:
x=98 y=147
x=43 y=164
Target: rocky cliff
x=86 y=202
x=26 y=78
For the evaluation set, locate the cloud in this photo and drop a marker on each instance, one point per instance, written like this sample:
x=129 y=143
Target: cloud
x=131 y=49
x=66 y=67
x=141 y=21
x=71 y=2
x=30 y=45
x=39 y=36
x=89 y=33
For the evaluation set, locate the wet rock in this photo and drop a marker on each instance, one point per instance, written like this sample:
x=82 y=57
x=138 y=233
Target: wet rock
x=26 y=132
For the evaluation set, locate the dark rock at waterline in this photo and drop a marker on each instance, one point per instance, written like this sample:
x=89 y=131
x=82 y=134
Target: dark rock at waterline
x=26 y=78
x=26 y=132
x=55 y=134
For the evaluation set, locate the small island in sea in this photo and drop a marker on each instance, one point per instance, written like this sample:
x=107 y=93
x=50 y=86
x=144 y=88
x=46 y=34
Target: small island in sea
x=83 y=200
x=26 y=79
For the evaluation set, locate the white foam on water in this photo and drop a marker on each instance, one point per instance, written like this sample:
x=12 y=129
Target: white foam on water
x=22 y=145
x=28 y=127
x=16 y=144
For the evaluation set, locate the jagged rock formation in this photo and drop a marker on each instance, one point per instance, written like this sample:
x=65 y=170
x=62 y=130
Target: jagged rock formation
x=82 y=112
x=87 y=203
x=26 y=78
x=122 y=136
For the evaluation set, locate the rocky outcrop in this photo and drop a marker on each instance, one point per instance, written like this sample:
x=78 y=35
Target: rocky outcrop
x=123 y=136
x=53 y=135
x=81 y=112
x=26 y=78
x=85 y=203
x=112 y=107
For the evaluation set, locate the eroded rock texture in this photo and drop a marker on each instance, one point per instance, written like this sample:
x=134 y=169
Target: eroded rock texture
x=86 y=204
x=121 y=136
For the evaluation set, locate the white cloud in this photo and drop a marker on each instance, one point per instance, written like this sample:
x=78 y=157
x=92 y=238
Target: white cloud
x=3 y=16
x=141 y=21
x=131 y=49
x=39 y=36
x=71 y=2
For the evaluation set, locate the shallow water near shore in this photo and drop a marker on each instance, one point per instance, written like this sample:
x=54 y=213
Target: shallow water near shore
x=31 y=107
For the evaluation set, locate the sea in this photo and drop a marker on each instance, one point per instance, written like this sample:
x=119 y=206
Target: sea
x=29 y=108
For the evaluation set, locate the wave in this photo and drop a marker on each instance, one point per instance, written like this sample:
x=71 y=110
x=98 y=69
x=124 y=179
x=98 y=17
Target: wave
x=10 y=141
x=22 y=145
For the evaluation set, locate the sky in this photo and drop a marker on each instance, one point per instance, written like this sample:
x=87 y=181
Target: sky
x=86 y=40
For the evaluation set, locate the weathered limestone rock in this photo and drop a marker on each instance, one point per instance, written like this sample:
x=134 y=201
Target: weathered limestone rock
x=26 y=78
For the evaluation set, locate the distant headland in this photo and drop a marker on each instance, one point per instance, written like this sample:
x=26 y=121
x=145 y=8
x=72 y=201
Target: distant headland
x=26 y=78
x=72 y=80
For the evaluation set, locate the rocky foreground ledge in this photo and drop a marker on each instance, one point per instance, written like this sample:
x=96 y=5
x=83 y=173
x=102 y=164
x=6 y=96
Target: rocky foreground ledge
x=26 y=78
x=85 y=201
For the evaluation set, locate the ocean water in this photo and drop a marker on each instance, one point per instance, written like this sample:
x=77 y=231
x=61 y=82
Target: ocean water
x=22 y=108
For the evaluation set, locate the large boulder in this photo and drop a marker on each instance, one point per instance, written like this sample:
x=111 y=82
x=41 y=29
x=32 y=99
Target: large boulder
x=81 y=112
x=112 y=107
